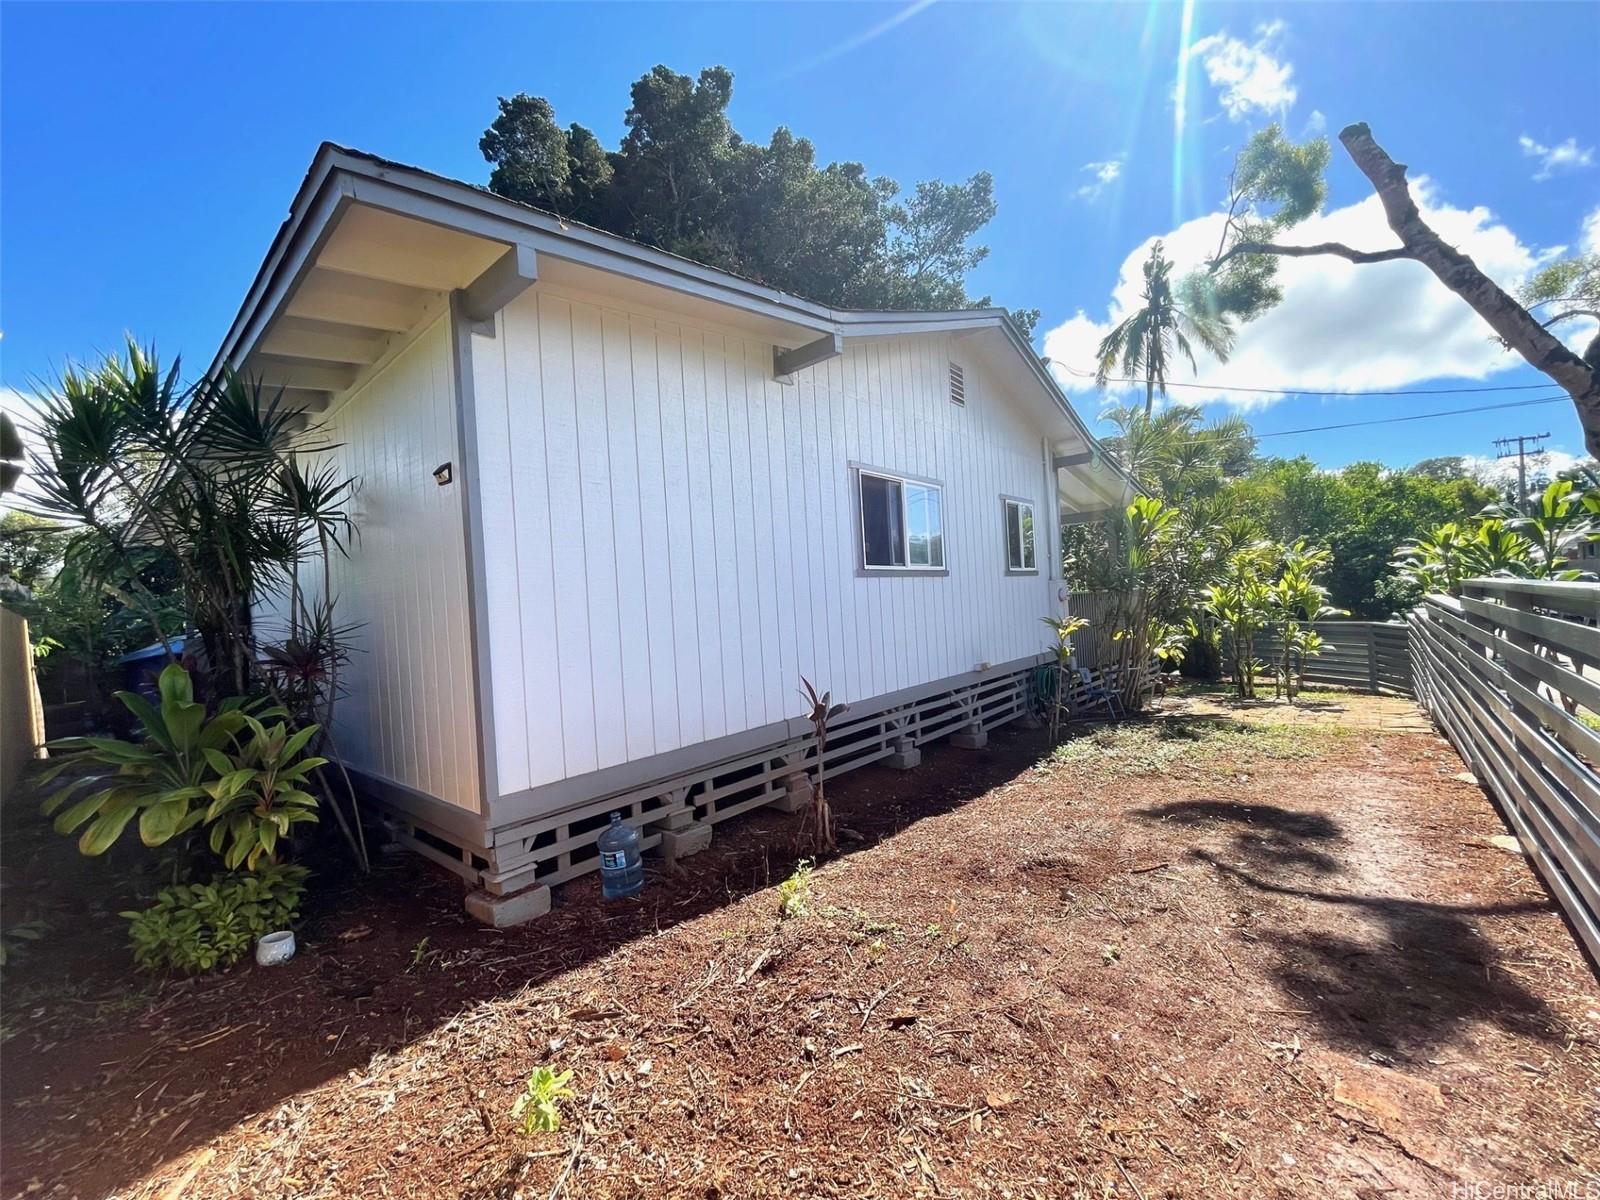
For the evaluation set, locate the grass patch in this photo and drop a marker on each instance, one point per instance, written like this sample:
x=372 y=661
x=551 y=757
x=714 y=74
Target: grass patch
x=1205 y=743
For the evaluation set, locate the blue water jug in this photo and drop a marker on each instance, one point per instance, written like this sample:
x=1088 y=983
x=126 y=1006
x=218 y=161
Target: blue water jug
x=621 y=867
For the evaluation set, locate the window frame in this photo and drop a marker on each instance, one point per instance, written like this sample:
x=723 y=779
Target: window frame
x=863 y=568
x=1007 y=504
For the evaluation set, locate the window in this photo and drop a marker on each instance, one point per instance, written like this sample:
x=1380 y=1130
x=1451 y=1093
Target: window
x=958 y=385
x=902 y=523
x=1019 y=536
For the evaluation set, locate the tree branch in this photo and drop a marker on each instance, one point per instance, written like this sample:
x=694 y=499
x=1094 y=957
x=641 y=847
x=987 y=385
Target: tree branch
x=1568 y=315
x=1335 y=248
x=1513 y=323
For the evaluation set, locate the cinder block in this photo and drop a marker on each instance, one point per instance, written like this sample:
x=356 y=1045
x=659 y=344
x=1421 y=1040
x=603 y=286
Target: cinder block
x=505 y=911
x=681 y=819
x=905 y=756
x=798 y=794
x=681 y=843
x=973 y=737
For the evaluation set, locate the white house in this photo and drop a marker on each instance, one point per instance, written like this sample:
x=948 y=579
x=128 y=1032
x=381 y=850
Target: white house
x=614 y=505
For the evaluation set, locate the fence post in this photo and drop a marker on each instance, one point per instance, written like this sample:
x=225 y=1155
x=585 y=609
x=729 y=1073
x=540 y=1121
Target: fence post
x=1372 y=658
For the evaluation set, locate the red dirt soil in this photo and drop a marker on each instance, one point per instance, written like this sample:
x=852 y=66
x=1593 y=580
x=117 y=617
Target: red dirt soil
x=1207 y=954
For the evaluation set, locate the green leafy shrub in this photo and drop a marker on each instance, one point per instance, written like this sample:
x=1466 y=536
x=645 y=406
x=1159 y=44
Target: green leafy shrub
x=196 y=927
x=231 y=772
x=539 y=1106
x=794 y=893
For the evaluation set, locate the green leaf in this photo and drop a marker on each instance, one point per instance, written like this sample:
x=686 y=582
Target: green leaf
x=298 y=742
x=184 y=722
x=175 y=686
x=219 y=762
x=79 y=813
x=100 y=835
x=145 y=713
x=159 y=823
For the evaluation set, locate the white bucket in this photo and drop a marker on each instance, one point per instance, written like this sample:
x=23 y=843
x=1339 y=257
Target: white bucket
x=275 y=948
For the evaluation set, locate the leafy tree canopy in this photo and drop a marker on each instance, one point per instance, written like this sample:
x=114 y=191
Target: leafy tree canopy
x=684 y=180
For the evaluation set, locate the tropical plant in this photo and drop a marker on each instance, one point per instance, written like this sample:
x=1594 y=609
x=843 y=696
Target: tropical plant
x=1145 y=341
x=821 y=710
x=260 y=795
x=208 y=481
x=1298 y=601
x=1564 y=516
x=226 y=770
x=1144 y=564
x=1241 y=603
x=195 y=927
x=539 y=1106
x=1504 y=542
x=1059 y=694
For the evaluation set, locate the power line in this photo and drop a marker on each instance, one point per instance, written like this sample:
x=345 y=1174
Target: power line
x=1263 y=391
x=1449 y=412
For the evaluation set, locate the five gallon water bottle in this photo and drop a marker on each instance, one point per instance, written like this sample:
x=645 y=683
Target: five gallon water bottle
x=621 y=870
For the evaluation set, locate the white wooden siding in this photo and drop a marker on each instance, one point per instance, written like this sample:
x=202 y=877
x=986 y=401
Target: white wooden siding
x=408 y=715
x=678 y=546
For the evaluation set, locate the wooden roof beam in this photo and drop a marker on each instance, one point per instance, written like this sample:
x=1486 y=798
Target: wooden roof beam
x=513 y=273
x=786 y=362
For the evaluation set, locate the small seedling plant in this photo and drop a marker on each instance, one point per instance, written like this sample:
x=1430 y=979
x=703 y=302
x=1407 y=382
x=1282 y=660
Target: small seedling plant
x=822 y=710
x=794 y=893
x=539 y=1106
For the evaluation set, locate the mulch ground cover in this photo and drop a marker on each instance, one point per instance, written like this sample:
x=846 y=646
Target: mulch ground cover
x=1224 y=951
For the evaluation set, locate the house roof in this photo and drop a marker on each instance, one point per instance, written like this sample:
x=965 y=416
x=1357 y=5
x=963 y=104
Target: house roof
x=372 y=249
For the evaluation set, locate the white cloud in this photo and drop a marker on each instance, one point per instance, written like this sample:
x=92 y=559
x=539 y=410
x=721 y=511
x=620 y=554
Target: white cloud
x=1589 y=240
x=1499 y=472
x=1316 y=124
x=1340 y=327
x=1251 y=77
x=1568 y=156
x=1105 y=174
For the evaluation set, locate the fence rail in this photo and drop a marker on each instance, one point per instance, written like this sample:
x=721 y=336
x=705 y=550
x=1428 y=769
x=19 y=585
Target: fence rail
x=1510 y=672
x=1369 y=655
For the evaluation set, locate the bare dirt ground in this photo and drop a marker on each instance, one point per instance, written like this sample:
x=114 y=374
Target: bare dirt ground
x=1232 y=950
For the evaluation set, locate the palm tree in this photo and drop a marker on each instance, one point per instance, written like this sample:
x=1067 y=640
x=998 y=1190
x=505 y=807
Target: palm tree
x=1145 y=340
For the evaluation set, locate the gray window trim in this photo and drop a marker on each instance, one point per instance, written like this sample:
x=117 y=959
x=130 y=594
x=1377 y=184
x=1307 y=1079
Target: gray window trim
x=858 y=469
x=1005 y=534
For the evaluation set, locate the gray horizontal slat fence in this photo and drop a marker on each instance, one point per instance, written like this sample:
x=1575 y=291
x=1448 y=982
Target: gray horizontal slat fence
x=1370 y=655
x=1510 y=673
x=1093 y=646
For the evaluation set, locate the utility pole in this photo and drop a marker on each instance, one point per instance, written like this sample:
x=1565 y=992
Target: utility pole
x=1519 y=446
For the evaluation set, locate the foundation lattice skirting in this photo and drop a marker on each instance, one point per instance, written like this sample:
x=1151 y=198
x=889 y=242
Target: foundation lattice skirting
x=552 y=849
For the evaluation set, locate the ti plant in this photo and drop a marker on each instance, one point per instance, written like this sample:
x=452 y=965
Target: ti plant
x=161 y=781
x=539 y=1106
x=260 y=794
x=230 y=772
x=822 y=710
x=1060 y=699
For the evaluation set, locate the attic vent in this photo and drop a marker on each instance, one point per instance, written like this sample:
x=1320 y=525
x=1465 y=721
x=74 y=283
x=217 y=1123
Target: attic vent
x=958 y=385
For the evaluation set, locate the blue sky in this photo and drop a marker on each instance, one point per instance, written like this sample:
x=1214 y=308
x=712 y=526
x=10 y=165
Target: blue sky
x=149 y=152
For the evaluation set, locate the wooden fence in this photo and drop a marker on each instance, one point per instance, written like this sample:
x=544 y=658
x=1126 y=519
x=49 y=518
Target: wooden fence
x=1370 y=655
x=1510 y=673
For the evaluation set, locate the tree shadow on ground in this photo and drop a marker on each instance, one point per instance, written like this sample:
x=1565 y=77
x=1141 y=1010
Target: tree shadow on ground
x=384 y=960
x=1273 y=837
x=1416 y=984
